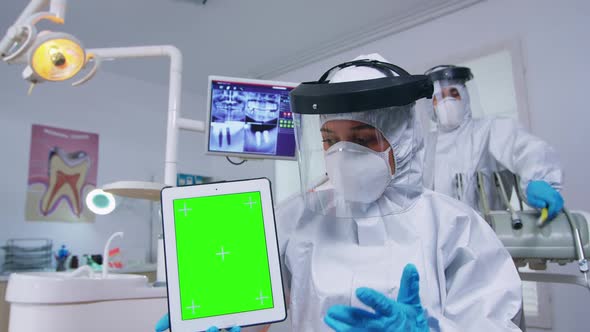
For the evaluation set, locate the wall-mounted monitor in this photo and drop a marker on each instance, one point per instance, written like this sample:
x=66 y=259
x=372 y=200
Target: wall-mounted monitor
x=250 y=118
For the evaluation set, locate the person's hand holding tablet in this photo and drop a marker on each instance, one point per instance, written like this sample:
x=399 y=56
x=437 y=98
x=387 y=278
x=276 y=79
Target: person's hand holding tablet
x=164 y=324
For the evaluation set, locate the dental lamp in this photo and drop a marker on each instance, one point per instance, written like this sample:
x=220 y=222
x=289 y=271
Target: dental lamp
x=100 y=202
x=51 y=56
x=57 y=56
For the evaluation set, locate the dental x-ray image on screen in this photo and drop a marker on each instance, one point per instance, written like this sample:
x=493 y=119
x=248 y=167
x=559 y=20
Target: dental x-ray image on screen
x=250 y=118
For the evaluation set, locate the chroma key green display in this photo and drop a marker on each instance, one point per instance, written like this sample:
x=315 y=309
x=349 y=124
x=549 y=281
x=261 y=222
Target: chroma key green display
x=222 y=259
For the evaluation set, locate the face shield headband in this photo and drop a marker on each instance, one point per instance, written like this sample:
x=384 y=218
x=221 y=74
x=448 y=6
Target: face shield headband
x=323 y=97
x=449 y=73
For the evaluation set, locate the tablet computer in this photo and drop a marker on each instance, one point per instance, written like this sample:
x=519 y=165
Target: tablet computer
x=222 y=255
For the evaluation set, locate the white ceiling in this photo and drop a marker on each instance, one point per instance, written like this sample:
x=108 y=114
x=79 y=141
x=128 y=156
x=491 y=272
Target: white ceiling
x=249 y=38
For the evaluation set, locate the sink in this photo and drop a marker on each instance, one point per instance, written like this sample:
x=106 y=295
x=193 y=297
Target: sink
x=83 y=301
x=62 y=287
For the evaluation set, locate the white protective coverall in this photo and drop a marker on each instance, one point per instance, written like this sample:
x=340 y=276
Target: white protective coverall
x=485 y=145
x=331 y=247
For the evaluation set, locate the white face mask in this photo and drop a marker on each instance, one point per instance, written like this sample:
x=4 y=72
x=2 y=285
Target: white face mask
x=358 y=173
x=450 y=113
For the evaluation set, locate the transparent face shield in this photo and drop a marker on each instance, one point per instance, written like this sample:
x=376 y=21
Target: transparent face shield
x=450 y=104
x=448 y=110
x=453 y=102
x=361 y=164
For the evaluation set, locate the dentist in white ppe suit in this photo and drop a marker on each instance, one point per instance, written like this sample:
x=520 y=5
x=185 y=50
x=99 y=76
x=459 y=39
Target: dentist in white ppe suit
x=364 y=246
x=463 y=145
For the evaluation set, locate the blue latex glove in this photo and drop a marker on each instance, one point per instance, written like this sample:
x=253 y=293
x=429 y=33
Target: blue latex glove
x=164 y=324
x=540 y=195
x=406 y=314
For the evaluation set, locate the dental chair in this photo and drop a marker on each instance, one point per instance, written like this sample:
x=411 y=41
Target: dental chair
x=563 y=240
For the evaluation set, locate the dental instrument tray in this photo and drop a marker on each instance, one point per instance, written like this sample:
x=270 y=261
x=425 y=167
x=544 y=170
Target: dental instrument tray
x=553 y=241
x=28 y=254
x=222 y=255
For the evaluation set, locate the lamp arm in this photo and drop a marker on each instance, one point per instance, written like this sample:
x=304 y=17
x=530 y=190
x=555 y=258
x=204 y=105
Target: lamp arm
x=31 y=15
x=33 y=7
x=14 y=33
x=97 y=61
x=175 y=122
x=58 y=8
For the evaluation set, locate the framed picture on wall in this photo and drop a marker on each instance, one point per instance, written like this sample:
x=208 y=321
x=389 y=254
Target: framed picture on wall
x=63 y=167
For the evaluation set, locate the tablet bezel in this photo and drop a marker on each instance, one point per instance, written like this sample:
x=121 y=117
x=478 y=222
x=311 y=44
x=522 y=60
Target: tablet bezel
x=262 y=316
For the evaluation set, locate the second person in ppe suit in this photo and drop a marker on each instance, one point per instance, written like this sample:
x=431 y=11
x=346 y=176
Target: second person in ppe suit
x=363 y=218
x=461 y=145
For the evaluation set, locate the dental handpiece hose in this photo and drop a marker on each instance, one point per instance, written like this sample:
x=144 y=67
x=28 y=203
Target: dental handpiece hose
x=516 y=222
x=459 y=186
x=519 y=194
x=582 y=261
x=483 y=198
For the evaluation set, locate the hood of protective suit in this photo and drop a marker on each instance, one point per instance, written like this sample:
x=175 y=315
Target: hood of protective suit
x=401 y=127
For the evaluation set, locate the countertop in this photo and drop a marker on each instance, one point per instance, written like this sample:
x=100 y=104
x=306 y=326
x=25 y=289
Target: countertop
x=141 y=268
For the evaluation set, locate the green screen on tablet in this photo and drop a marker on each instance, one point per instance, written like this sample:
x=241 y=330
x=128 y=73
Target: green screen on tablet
x=222 y=259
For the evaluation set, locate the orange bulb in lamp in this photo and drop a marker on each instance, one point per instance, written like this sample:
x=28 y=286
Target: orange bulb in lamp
x=58 y=58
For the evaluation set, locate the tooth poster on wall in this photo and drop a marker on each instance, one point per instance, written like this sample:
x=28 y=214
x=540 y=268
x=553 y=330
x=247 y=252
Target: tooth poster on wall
x=63 y=166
